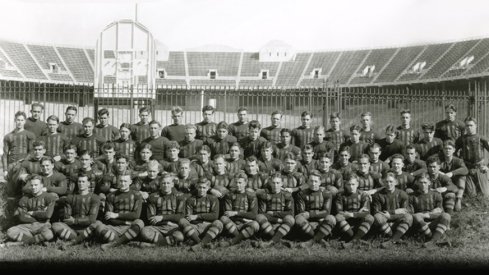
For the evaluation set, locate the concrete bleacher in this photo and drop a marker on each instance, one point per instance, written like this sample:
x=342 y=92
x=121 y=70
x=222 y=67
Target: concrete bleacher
x=478 y=52
x=251 y=66
x=10 y=73
x=430 y=56
x=77 y=62
x=60 y=77
x=377 y=58
x=347 y=65
x=399 y=63
x=171 y=82
x=212 y=82
x=175 y=66
x=256 y=83
x=8 y=70
x=226 y=63
x=449 y=59
x=45 y=55
x=22 y=60
x=322 y=60
x=291 y=71
x=91 y=55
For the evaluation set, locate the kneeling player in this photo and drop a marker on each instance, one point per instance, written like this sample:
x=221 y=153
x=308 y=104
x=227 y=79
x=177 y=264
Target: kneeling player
x=314 y=208
x=240 y=210
x=165 y=209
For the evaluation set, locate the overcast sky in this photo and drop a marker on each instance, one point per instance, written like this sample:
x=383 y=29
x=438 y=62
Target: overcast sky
x=307 y=25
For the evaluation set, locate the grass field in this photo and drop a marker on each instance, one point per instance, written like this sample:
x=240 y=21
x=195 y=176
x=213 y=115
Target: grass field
x=469 y=238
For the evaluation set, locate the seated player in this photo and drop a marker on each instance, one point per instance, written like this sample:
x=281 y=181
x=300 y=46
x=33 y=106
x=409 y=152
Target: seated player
x=292 y=179
x=32 y=164
x=256 y=180
x=53 y=181
x=442 y=184
x=235 y=162
x=151 y=182
x=276 y=212
x=107 y=160
x=186 y=180
x=343 y=164
x=145 y=155
x=95 y=175
x=313 y=208
x=390 y=207
x=405 y=181
x=353 y=208
x=220 y=180
x=111 y=180
x=201 y=223
x=80 y=213
x=390 y=145
x=122 y=212
x=33 y=213
x=203 y=165
x=69 y=166
x=171 y=161
x=165 y=209
x=455 y=169
x=190 y=146
x=427 y=208
x=240 y=210
x=368 y=182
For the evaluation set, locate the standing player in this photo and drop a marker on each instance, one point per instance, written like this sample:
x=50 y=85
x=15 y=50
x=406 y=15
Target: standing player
x=427 y=208
x=34 y=211
x=122 y=212
x=165 y=209
x=253 y=143
x=276 y=212
x=320 y=145
x=140 y=130
x=285 y=146
x=471 y=148
x=175 y=131
x=88 y=140
x=79 y=215
x=16 y=144
x=368 y=135
x=268 y=164
x=240 y=210
x=235 y=162
x=353 y=207
x=391 y=209
x=405 y=133
x=34 y=123
x=125 y=145
x=390 y=145
x=272 y=132
x=450 y=127
x=157 y=142
x=69 y=127
x=104 y=129
x=303 y=134
x=356 y=145
x=335 y=134
x=313 y=207
x=221 y=141
x=55 y=142
x=343 y=164
x=239 y=129
x=429 y=145
x=206 y=128
x=201 y=217
x=190 y=147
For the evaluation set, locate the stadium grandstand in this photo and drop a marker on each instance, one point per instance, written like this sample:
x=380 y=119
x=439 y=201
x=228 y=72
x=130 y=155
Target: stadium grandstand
x=422 y=78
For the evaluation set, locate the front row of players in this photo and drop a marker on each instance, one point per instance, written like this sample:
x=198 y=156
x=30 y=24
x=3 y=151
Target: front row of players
x=171 y=217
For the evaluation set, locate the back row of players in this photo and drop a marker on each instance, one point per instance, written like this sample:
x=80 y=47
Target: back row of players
x=256 y=175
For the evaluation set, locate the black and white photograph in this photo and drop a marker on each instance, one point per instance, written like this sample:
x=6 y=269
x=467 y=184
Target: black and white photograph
x=244 y=135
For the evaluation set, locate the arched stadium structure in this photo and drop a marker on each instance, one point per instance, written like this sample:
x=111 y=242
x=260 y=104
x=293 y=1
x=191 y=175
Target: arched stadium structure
x=423 y=78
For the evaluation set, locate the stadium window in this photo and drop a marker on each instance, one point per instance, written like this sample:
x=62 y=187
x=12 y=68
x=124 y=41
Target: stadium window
x=316 y=73
x=53 y=67
x=264 y=74
x=417 y=68
x=161 y=73
x=212 y=74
